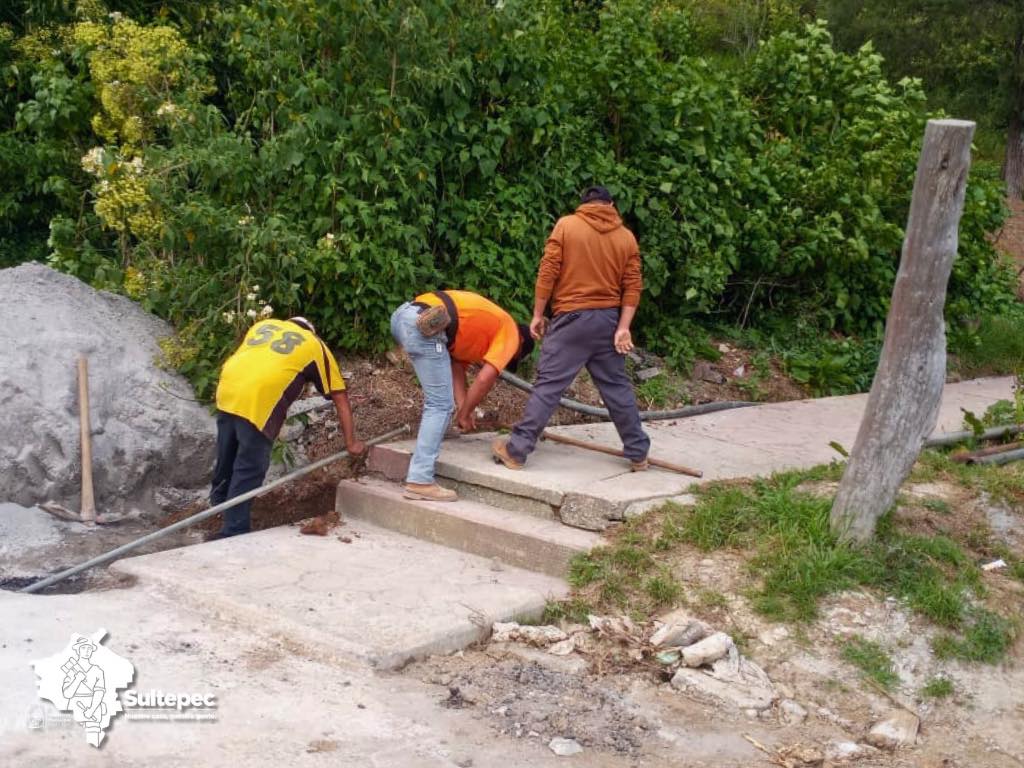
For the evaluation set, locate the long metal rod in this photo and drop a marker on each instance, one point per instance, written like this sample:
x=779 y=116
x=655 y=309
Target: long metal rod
x=952 y=438
x=602 y=413
x=1000 y=458
x=116 y=553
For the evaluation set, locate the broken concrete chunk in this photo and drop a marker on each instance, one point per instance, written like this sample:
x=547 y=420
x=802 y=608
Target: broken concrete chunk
x=564 y=747
x=848 y=751
x=792 y=712
x=738 y=694
x=704 y=371
x=708 y=650
x=680 y=633
x=504 y=632
x=563 y=647
x=897 y=729
x=648 y=373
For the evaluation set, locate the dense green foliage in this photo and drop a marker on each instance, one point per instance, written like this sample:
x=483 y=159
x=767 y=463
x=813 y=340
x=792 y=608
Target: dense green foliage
x=342 y=156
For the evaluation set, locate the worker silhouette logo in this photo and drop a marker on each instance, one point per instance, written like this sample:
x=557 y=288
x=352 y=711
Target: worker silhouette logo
x=83 y=679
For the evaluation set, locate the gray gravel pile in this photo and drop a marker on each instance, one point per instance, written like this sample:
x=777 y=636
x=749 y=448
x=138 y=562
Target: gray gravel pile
x=148 y=432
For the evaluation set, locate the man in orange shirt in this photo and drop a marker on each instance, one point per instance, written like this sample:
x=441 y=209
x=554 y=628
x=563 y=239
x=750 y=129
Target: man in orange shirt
x=590 y=275
x=443 y=332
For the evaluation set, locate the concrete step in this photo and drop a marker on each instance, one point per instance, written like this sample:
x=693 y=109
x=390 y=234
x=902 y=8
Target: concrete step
x=580 y=488
x=379 y=598
x=523 y=541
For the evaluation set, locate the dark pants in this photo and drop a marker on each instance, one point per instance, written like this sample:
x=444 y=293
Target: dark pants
x=576 y=339
x=243 y=458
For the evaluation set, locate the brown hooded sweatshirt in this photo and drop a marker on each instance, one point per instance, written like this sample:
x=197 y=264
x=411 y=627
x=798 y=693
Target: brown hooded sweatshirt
x=591 y=261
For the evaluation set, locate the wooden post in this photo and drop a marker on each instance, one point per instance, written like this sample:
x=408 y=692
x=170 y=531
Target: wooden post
x=88 y=510
x=903 y=406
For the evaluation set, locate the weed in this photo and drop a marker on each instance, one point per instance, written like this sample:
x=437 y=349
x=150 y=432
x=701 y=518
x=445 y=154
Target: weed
x=940 y=506
x=585 y=568
x=712 y=598
x=872 y=660
x=655 y=392
x=663 y=589
x=938 y=688
x=574 y=610
x=986 y=639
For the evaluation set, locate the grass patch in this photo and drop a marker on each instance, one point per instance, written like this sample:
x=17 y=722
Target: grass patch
x=987 y=638
x=872 y=660
x=995 y=348
x=938 y=688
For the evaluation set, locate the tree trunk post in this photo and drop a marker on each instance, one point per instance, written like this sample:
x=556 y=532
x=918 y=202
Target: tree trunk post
x=903 y=406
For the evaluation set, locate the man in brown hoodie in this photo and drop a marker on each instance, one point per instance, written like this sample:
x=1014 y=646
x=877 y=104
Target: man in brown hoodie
x=590 y=275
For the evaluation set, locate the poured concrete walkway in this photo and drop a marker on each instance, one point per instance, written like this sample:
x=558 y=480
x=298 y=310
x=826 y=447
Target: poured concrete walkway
x=744 y=442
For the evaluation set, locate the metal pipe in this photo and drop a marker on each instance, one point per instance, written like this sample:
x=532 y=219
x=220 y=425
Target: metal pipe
x=1000 y=458
x=952 y=438
x=115 y=553
x=602 y=413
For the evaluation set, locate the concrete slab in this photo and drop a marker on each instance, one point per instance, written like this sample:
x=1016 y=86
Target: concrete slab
x=384 y=598
x=524 y=541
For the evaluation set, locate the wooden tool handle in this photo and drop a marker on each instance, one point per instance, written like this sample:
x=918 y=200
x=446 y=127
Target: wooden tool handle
x=615 y=452
x=88 y=511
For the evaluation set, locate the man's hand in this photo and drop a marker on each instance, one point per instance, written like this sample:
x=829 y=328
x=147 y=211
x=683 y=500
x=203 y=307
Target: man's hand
x=623 y=341
x=355 y=447
x=538 y=327
x=466 y=421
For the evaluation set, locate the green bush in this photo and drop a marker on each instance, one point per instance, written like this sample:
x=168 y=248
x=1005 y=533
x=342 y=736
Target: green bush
x=344 y=156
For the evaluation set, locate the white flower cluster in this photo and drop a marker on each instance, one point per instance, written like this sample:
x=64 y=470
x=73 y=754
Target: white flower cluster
x=244 y=222
x=92 y=161
x=267 y=311
x=327 y=241
x=115 y=16
x=134 y=166
x=229 y=317
x=166 y=109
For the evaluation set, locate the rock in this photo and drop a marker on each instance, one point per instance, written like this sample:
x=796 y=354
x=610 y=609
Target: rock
x=724 y=349
x=148 y=430
x=564 y=747
x=848 y=751
x=504 y=632
x=792 y=712
x=563 y=647
x=708 y=650
x=589 y=512
x=740 y=372
x=647 y=374
x=704 y=371
x=736 y=694
x=772 y=636
x=679 y=633
x=897 y=729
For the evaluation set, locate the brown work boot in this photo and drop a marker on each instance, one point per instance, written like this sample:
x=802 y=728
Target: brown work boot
x=431 y=492
x=639 y=466
x=499 y=450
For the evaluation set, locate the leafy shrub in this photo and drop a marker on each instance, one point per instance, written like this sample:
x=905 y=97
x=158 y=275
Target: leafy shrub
x=345 y=156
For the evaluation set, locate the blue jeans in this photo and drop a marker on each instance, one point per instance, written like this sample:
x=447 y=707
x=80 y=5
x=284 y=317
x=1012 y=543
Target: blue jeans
x=243 y=458
x=433 y=367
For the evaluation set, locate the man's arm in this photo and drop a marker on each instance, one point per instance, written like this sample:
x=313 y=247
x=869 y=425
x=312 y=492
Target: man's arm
x=547 y=276
x=482 y=384
x=632 y=285
x=345 y=420
x=459 y=383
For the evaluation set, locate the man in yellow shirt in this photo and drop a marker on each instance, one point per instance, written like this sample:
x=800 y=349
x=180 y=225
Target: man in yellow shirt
x=443 y=332
x=268 y=371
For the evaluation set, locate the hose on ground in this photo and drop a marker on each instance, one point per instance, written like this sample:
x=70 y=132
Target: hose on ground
x=602 y=413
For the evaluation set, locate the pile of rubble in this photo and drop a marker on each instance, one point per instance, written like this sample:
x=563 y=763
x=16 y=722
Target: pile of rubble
x=706 y=664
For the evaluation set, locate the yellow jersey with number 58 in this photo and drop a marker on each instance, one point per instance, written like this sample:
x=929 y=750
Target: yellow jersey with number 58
x=270 y=369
